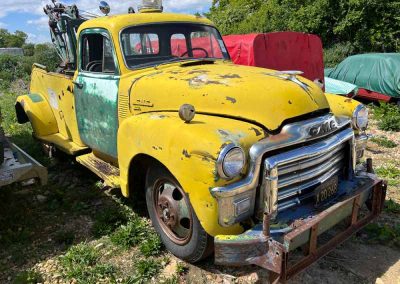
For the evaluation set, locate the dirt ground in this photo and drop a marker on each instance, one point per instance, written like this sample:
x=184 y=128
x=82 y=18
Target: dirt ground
x=39 y=225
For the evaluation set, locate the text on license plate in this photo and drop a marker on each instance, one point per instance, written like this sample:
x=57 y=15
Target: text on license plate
x=326 y=190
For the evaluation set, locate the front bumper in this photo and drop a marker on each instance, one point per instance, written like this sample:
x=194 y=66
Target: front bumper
x=272 y=249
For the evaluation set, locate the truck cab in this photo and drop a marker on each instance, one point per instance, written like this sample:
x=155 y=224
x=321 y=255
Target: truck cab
x=228 y=157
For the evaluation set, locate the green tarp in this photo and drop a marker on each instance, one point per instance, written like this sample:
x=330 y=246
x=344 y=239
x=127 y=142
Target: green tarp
x=378 y=72
x=336 y=87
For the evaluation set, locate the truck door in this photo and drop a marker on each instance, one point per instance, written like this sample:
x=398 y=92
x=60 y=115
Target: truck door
x=96 y=92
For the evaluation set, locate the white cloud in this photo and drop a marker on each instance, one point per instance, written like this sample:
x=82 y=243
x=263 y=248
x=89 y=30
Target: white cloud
x=3 y=25
x=117 y=6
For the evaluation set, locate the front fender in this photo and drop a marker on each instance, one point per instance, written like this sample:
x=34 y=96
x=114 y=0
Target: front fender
x=342 y=106
x=189 y=151
x=39 y=113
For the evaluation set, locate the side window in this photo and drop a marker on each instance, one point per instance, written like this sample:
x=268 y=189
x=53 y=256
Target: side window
x=179 y=45
x=97 y=54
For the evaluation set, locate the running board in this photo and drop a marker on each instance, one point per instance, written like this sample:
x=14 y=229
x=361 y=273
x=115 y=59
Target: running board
x=102 y=169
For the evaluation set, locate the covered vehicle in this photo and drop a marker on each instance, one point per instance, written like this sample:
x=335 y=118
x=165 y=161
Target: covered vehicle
x=279 y=51
x=376 y=74
x=337 y=87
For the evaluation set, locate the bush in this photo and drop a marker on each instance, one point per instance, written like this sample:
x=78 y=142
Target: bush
x=388 y=117
x=12 y=68
x=337 y=53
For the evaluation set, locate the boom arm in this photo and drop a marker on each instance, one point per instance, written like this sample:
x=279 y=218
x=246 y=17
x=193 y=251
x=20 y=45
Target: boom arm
x=64 y=22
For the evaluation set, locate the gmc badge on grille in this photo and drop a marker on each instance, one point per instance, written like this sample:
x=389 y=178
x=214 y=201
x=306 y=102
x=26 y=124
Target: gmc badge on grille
x=323 y=128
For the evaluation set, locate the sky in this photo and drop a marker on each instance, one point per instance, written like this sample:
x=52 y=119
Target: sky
x=28 y=16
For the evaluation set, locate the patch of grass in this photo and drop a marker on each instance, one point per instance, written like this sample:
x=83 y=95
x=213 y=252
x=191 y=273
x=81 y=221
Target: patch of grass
x=82 y=264
x=392 y=207
x=388 y=117
x=151 y=246
x=130 y=234
x=181 y=268
x=145 y=270
x=108 y=220
x=64 y=237
x=384 y=142
x=28 y=277
x=389 y=171
x=383 y=234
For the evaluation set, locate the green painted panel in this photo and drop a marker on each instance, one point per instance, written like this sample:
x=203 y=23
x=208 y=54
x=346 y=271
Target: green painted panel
x=35 y=98
x=97 y=111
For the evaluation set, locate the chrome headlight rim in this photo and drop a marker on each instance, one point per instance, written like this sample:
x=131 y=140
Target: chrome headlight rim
x=221 y=160
x=356 y=117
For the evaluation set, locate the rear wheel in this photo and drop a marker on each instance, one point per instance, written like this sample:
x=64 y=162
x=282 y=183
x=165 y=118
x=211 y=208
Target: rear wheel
x=173 y=217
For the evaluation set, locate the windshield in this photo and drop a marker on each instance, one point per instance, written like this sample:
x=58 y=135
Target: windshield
x=155 y=44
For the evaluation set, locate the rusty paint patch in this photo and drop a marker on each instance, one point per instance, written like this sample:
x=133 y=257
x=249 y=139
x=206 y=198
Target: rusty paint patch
x=157 y=148
x=203 y=80
x=230 y=76
x=186 y=153
x=258 y=132
x=199 y=71
x=232 y=100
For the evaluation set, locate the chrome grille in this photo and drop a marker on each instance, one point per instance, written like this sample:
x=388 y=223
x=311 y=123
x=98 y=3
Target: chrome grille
x=291 y=176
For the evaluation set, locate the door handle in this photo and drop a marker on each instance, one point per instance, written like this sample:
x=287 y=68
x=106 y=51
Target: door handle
x=79 y=85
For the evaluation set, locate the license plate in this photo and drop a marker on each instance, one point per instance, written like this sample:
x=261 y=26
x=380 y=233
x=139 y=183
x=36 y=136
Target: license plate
x=326 y=190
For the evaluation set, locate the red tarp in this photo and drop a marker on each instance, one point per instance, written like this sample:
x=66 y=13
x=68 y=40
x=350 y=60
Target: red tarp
x=279 y=51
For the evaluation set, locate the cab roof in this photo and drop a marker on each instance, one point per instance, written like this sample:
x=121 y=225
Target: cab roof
x=116 y=23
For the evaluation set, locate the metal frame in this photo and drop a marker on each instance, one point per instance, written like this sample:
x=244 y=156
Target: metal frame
x=263 y=248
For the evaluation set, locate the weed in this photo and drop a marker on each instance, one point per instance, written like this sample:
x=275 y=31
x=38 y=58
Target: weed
x=392 y=207
x=383 y=234
x=28 y=277
x=388 y=117
x=108 y=220
x=181 y=268
x=389 y=171
x=131 y=234
x=145 y=270
x=81 y=263
x=151 y=246
x=384 y=142
x=172 y=280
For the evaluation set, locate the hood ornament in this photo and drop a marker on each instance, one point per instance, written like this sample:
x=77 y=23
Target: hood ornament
x=292 y=77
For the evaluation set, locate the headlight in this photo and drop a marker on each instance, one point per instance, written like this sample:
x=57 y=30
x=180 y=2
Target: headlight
x=360 y=117
x=231 y=161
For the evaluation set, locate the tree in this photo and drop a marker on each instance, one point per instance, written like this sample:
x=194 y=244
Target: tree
x=369 y=25
x=8 y=39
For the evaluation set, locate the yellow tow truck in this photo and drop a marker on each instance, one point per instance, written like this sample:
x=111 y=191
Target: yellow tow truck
x=247 y=162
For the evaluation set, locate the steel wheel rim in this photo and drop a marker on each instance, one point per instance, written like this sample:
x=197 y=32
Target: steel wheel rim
x=172 y=211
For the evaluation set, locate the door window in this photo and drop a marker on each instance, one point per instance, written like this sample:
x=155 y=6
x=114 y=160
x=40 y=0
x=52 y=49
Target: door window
x=97 y=54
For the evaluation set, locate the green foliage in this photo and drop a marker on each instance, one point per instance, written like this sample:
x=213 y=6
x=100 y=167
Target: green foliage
x=81 y=263
x=392 y=207
x=371 y=25
x=8 y=39
x=46 y=55
x=151 y=246
x=337 y=53
x=383 y=234
x=108 y=220
x=28 y=277
x=131 y=234
x=388 y=117
x=145 y=270
x=389 y=171
x=384 y=142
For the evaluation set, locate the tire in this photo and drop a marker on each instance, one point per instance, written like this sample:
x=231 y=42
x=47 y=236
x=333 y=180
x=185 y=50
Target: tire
x=186 y=240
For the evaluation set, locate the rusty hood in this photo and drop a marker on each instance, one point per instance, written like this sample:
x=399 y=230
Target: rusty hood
x=253 y=94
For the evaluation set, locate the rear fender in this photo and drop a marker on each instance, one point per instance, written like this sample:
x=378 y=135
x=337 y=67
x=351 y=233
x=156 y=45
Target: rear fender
x=36 y=109
x=189 y=151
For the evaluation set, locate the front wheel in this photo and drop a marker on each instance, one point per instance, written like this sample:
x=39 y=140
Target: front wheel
x=173 y=217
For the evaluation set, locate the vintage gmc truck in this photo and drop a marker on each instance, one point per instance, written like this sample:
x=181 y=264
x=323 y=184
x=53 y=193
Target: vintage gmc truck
x=247 y=162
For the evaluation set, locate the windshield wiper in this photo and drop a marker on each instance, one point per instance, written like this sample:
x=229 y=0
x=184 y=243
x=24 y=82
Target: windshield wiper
x=171 y=60
x=191 y=60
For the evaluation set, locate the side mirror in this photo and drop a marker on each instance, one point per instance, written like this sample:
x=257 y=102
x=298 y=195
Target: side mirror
x=104 y=8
